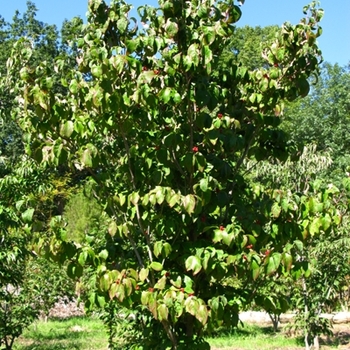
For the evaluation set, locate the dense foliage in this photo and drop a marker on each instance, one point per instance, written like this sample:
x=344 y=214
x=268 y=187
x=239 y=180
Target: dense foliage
x=192 y=207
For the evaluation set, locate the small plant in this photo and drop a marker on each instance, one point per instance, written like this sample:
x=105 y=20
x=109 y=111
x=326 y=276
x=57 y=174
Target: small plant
x=17 y=312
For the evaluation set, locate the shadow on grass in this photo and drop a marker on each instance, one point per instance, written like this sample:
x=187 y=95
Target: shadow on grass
x=63 y=334
x=244 y=331
x=339 y=338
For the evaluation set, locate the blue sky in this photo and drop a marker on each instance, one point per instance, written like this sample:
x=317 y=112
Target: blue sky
x=334 y=43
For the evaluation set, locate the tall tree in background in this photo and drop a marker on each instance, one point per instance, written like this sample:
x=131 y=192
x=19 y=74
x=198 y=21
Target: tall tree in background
x=323 y=118
x=248 y=44
x=27 y=190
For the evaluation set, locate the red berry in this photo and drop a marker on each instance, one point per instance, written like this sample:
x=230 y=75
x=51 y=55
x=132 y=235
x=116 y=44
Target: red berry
x=156 y=71
x=137 y=287
x=220 y=115
x=151 y=290
x=167 y=274
x=250 y=246
x=182 y=290
x=195 y=149
x=267 y=253
x=222 y=228
x=191 y=294
x=245 y=258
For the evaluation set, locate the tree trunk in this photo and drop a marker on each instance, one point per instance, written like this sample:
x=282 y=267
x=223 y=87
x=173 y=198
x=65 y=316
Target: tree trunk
x=316 y=343
x=306 y=311
x=275 y=321
x=171 y=334
x=189 y=326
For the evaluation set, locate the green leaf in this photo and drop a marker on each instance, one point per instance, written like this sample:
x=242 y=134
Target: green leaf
x=275 y=210
x=118 y=62
x=176 y=283
x=82 y=258
x=67 y=128
x=166 y=249
x=202 y=314
x=160 y=283
x=189 y=203
x=160 y=195
x=122 y=24
x=326 y=222
x=273 y=262
x=303 y=87
x=174 y=199
x=192 y=305
x=27 y=216
x=73 y=86
x=112 y=228
x=165 y=94
x=112 y=290
x=193 y=263
x=120 y=292
x=96 y=71
x=227 y=238
x=193 y=54
x=287 y=261
x=315 y=226
x=19 y=204
x=207 y=54
x=157 y=249
x=255 y=269
x=105 y=282
x=201 y=162
x=203 y=184
x=134 y=198
x=86 y=158
x=103 y=254
x=145 y=297
x=163 y=312
x=101 y=301
x=156 y=266
x=143 y=274
x=209 y=34
x=171 y=28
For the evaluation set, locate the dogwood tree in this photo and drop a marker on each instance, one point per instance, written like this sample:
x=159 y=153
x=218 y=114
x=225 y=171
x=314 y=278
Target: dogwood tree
x=164 y=139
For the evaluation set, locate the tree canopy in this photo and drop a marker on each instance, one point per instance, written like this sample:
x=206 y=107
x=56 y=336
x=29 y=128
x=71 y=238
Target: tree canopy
x=162 y=121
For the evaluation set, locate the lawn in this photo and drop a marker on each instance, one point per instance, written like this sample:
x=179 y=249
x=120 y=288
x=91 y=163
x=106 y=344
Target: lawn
x=88 y=333
x=83 y=333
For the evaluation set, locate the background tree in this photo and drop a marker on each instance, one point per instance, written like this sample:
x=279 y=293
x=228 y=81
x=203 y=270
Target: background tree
x=27 y=191
x=323 y=117
x=247 y=46
x=324 y=257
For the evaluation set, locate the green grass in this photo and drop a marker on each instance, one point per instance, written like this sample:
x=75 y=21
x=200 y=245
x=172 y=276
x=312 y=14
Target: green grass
x=88 y=333
x=81 y=333
x=253 y=337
